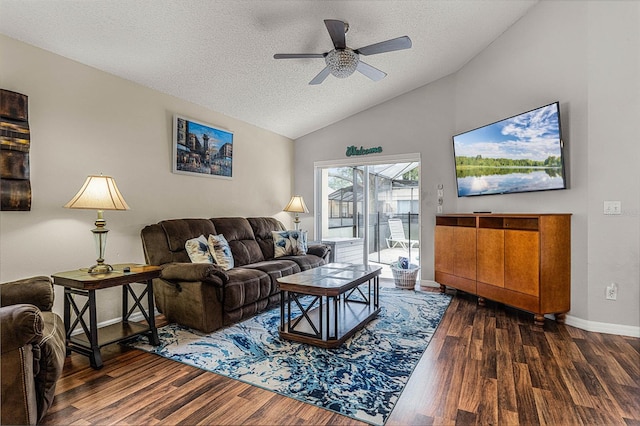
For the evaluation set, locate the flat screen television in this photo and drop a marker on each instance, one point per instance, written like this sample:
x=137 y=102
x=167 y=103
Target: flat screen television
x=523 y=153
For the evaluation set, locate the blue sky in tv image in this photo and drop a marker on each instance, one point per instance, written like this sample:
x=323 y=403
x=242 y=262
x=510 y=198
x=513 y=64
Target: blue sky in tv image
x=519 y=154
x=533 y=135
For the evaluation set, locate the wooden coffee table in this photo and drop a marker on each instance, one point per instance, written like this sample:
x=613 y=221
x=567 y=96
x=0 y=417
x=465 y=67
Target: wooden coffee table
x=344 y=298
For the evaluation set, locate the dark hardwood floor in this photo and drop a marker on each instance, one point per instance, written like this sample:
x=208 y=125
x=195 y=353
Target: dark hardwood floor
x=484 y=365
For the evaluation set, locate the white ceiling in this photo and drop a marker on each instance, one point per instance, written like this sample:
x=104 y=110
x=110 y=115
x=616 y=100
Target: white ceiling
x=219 y=53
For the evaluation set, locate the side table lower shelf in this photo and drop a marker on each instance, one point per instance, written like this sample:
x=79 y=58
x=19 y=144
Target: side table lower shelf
x=107 y=335
x=81 y=283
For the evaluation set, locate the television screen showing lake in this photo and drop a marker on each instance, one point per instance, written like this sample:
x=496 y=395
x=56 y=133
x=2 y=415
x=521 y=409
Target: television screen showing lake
x=519 y=154
x=518 y=180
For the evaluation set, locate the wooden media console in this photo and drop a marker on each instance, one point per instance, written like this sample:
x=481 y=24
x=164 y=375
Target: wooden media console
x=521 y=260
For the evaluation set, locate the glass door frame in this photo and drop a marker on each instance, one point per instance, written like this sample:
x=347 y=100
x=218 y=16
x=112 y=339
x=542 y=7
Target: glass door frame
x=320 y=207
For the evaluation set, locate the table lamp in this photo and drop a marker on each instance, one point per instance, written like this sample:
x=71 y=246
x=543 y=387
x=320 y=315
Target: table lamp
x=99 y=193
x=296 y=205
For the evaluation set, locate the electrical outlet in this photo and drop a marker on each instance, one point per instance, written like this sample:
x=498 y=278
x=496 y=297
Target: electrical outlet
x=612 y=207
x=612 y=292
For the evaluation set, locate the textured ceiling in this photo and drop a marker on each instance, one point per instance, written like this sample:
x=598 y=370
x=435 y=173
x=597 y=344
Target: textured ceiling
x=219 y=53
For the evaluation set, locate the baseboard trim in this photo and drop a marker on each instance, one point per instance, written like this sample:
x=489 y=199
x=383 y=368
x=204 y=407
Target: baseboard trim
x=603 y=327
x=429 y=283
x=594 y=326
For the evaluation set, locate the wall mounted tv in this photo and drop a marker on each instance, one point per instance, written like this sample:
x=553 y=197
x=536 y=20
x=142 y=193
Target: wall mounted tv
x=522 y=153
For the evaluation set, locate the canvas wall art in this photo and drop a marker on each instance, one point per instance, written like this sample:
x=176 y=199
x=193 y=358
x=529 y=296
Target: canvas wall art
x=15 y=143
x=201 y=149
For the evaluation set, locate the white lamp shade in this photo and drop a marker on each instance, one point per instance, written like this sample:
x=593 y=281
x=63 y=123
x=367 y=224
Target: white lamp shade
x=296 y=205
x=98 y=193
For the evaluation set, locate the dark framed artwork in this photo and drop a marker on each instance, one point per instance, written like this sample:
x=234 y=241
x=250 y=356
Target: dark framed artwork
x=15 y=144
x=201 y=149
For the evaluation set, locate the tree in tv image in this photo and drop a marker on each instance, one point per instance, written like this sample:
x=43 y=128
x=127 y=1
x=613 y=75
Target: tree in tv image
x=519 y=154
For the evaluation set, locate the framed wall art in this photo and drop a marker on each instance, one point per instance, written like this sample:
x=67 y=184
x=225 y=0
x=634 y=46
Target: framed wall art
x=15 y=144
x=201 y=149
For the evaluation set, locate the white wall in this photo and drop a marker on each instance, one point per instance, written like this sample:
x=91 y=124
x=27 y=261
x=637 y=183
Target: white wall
x=614 y=154
x=84 y=121
x=584 y=55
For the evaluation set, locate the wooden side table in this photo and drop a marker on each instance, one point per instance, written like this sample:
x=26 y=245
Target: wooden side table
x=81 y=283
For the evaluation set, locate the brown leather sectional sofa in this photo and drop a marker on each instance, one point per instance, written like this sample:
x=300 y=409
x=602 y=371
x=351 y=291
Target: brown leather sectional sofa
x=203 y=295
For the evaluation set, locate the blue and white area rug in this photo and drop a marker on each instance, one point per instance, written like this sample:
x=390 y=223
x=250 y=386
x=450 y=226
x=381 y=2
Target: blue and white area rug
x=362 y=379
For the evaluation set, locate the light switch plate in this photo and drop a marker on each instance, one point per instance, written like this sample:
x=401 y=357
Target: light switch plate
x=612 y=207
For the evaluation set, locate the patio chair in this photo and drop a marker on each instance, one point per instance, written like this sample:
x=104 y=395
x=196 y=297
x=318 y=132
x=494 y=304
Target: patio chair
x=397 y=237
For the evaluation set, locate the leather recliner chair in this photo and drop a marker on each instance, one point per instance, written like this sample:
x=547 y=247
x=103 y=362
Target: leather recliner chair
x=33 y=350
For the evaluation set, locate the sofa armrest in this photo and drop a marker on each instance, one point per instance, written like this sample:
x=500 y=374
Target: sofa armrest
x=33 y=353
x=320 y=250
x=36 y=291
x=206 y=272
x=19 y=325
x=52 y=355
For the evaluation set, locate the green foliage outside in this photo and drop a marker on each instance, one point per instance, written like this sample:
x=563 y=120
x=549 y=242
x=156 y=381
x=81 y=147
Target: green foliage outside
x=341 y=177
x=478 y=161
x=411 y=175
x=478 y=166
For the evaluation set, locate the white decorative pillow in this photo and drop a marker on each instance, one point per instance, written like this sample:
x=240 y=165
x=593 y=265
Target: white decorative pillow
x=221 y=251
x=298 y=242
x=198 y=250
x=281 y=243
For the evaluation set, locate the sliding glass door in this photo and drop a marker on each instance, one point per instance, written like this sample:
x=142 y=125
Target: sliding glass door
x=372 y=208
x=394 y=219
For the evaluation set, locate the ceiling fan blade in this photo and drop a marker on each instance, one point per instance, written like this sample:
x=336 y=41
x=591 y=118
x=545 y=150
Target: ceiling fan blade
x=373 y=73
x=399 y=43
x=336 y=31
x=298 y=55
x=321 y=76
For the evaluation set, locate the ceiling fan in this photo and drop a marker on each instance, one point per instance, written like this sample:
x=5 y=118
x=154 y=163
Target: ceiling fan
x=343 y=61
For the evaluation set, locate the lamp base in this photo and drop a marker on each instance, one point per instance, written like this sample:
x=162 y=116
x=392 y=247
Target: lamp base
x=100 y=268
x=100 y=237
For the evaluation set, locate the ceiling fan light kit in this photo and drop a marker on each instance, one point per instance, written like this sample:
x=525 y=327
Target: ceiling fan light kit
x=342 y=61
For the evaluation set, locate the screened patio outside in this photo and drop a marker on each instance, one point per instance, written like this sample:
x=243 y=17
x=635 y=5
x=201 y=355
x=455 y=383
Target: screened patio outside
x=393 y=211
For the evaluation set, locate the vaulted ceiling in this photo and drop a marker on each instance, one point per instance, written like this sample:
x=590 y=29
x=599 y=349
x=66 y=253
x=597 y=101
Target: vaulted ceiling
x=219 y=53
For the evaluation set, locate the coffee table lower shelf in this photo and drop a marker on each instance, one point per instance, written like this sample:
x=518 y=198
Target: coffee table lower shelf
x=351 y=317
x=330 y=303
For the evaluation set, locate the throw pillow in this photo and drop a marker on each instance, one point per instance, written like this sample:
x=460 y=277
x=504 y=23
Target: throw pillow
x=198 y=250
x=221 y=251
x=298 y=242
x=281 y=243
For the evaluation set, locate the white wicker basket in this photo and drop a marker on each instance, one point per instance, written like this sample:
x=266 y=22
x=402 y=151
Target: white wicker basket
x=405 y=278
